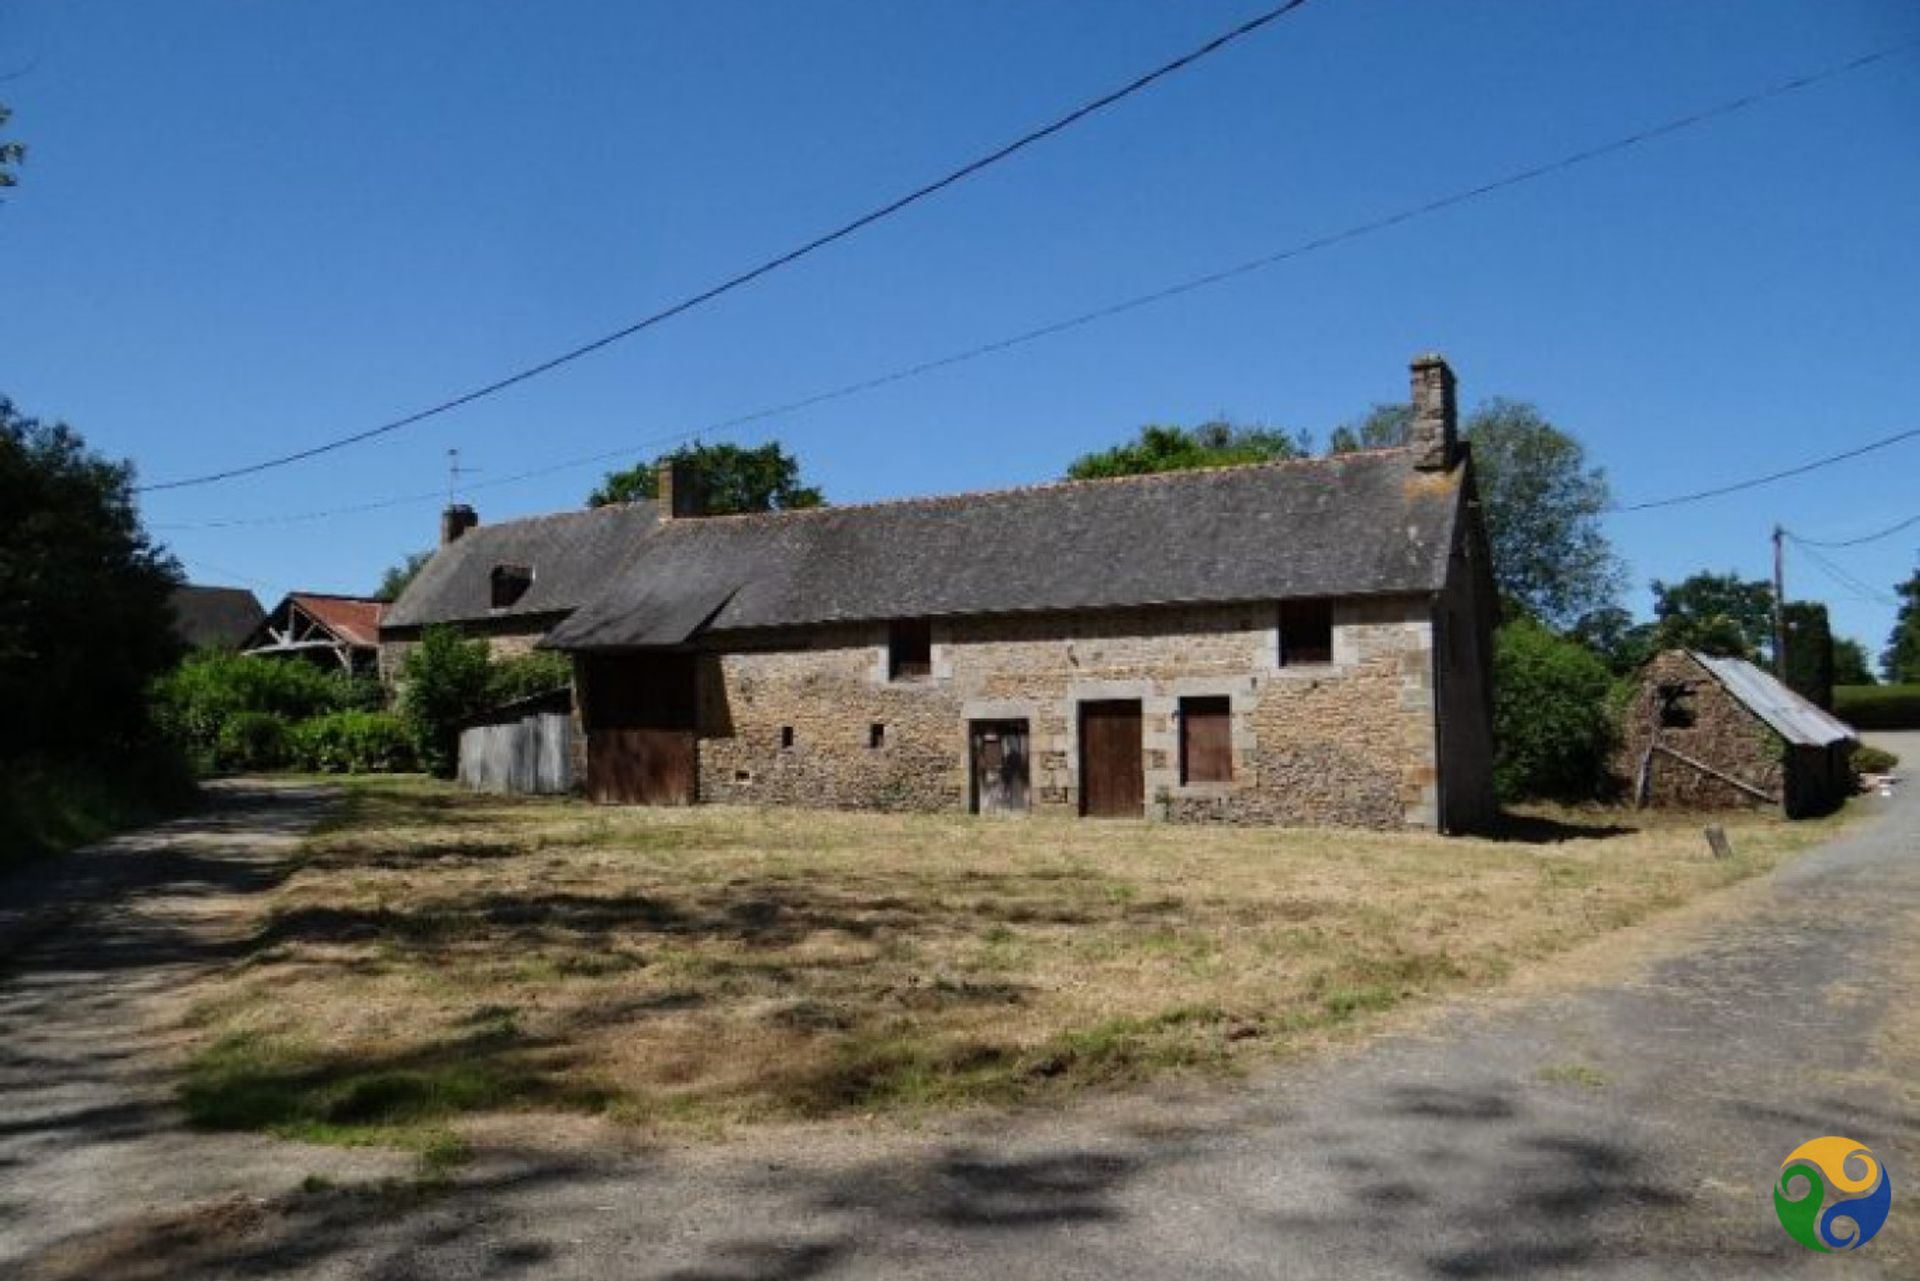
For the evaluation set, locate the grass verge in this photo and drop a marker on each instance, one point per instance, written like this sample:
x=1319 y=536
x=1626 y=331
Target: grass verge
x=441 y=955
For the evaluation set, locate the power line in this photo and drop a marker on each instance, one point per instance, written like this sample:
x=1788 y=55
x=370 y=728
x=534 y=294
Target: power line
x=1166 y=293
x=1757 y=481
x=773 y=264
x=1845 y=579
x=1888 y=532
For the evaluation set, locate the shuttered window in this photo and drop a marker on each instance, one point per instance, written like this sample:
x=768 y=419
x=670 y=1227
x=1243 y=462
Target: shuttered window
x=1206 y=741
x=1306 y=632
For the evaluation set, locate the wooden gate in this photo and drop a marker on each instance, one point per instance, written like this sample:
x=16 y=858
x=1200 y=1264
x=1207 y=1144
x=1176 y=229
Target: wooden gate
x=1000 y=770
x=641 y=715
x=1113 y=779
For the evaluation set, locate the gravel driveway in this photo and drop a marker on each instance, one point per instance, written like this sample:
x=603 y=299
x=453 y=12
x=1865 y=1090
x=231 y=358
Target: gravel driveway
x=1620 y=1117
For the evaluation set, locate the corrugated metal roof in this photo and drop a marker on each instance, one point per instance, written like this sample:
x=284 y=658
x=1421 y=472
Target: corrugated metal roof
x=1791 y=716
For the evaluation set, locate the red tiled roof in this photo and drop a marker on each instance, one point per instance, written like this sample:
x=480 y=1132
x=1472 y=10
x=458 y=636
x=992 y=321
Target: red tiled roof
x=352 y=618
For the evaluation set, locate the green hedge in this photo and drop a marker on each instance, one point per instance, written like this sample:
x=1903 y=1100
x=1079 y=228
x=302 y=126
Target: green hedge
x=1553 y=716
x=212 y=705
x=352 y=743
x=1878 y=706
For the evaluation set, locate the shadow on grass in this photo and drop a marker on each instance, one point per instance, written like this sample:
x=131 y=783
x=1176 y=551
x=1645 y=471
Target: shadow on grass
x=1539 y=829
x=287 y=1089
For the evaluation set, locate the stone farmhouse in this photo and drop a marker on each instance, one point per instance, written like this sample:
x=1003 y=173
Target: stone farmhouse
x=1300 y=642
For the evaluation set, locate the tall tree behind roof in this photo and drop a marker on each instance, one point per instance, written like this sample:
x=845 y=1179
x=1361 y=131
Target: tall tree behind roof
x=730 y=479
x=1161 y=448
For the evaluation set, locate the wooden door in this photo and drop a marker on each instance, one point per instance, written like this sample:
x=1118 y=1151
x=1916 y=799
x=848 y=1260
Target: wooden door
x=1113 y=777
x=641 y=741
x=1000 y=770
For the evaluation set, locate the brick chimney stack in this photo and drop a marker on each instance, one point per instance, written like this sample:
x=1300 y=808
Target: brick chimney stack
x=1436 y=418
x=456 y=520
x=677 y=490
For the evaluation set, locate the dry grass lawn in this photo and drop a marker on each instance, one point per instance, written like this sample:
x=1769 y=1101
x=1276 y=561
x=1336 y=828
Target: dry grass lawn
x=439 y=954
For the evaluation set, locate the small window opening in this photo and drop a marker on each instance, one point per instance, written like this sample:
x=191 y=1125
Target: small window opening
x=1675 y=711
x=786 y=736
x=910 y=650
x=876 y=735
x=1206 y=740
x=743 y=776
x=510 y=583
x=1306 y=632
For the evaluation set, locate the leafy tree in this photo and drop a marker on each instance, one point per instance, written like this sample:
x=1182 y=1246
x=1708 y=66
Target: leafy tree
x=1715 y=613
x=1543 y=502
x=11 y=153
x=1172 y=448
x=730 y=479
x=1900 y=662
x=395 y=579
x=1612 y=633
x=1383 y=427
x=1542 y=499
x=1553 y=715
x=1809 y=659
x=443 y=680
x=85 y=618
x=1850 y=665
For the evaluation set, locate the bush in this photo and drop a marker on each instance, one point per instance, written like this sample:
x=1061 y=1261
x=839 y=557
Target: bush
x=194 y=702
x=251 y=741
x=1553 y=719
x=1872 y=760
x=525 y=675
x=353 y=742
x=1878 y=706
x=444 y=680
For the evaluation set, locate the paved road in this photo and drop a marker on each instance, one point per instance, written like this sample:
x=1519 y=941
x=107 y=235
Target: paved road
x=1623 y=1127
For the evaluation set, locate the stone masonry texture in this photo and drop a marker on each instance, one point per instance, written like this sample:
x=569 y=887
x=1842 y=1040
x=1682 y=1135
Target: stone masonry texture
x=1348 y=743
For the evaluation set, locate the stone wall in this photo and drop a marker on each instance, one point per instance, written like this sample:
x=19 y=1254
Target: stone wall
x=505 y=637
x=1348 y=743
x=1724 y=734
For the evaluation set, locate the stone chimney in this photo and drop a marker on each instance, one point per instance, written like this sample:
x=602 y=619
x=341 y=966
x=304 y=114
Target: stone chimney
x=455 y=521
x=1436 y=419
x=677 y=490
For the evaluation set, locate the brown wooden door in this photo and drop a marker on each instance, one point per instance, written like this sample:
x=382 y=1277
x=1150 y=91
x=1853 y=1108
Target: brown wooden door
x=1000 y=770
x=1113 y=778
x=641 y=713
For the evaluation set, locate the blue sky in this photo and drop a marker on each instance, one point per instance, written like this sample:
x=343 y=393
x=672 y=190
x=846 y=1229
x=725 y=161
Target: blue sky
x=245 y=228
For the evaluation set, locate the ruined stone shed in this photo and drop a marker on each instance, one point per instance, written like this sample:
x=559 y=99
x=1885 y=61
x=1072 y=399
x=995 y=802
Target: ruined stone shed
x=1703 y=732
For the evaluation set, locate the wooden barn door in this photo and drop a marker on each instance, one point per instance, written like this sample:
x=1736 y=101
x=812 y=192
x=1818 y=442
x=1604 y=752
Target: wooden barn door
x=1000 y=771
x=1113 y=779
x=641 y=719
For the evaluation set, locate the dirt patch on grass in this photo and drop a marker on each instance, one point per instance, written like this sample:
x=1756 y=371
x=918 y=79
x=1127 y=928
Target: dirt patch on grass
x=441 y=955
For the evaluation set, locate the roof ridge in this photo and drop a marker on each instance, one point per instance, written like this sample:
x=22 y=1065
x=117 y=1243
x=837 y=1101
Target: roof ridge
x=1038 y=487
x=352 y=596
x=566 y=513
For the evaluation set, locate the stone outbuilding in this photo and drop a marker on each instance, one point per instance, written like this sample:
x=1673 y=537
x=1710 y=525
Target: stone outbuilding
x=1710 y=733
x=1300 y=642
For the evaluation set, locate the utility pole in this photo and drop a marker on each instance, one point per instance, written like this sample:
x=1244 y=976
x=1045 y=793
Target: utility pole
x=1779 y=603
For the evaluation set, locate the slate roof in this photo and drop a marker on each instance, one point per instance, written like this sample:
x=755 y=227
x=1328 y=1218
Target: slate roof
x=1792 y=717
x=572 y=555
x=214 y=617
x=1355 y=524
